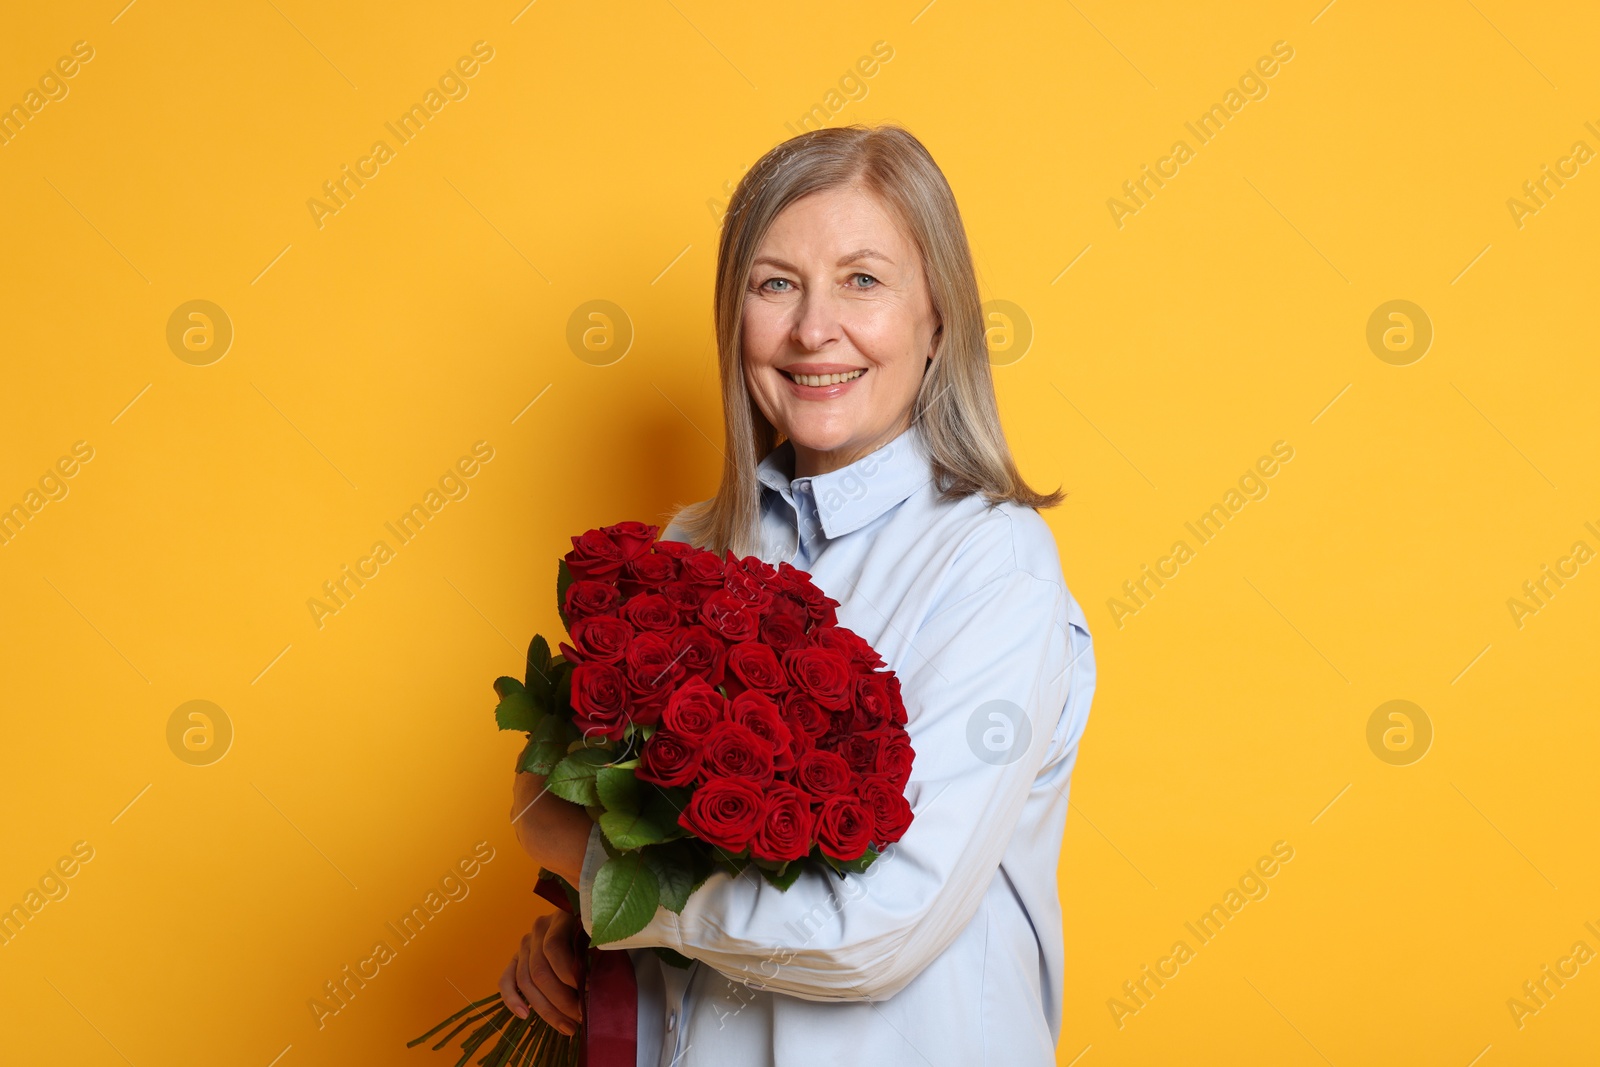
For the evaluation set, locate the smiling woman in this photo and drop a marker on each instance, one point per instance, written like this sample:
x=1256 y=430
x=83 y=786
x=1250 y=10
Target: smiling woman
x=864 y=449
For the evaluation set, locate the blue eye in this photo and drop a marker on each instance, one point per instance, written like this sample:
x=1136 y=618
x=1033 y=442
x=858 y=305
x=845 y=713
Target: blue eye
x=769 y=281
x=863 y=275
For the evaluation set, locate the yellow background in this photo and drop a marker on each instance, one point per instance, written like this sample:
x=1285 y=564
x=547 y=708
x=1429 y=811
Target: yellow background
x=369 y=354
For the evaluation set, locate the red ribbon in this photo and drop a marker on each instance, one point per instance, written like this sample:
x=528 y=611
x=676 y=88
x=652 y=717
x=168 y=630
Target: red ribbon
x=609 y=1033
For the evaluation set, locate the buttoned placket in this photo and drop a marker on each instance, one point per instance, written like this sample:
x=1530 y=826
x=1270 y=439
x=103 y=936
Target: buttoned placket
x=808 y=520
x=676 y=986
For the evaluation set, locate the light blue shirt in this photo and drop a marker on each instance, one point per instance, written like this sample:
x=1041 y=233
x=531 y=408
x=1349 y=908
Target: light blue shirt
x=948 y=949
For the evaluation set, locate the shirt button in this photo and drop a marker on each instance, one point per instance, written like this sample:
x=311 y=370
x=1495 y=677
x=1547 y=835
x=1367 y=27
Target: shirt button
x=672 y=1021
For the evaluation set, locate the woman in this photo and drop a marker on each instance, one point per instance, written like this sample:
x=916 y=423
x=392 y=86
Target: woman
x=849 y=328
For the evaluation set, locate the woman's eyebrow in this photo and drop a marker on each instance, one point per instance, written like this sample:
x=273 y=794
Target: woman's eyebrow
x=864 y=253
x=852 y=257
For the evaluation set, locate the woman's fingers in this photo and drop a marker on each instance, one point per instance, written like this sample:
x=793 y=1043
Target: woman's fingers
x=558 y=950
x=508 y=991
x=560 y=993
x=533 y=977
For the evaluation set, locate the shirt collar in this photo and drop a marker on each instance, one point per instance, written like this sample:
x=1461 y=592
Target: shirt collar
x=854 y=495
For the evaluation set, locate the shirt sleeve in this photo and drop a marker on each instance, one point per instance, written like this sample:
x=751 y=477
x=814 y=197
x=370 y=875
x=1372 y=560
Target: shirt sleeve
x=985 y=684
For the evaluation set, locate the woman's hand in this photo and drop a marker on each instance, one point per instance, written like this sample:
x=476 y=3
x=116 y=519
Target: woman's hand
x=543 y=976
x=553 y=831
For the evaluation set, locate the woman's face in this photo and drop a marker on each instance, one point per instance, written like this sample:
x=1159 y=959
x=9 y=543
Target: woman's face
x=836 y=289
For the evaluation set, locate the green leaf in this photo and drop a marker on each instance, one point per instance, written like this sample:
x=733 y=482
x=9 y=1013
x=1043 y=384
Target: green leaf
x=676 y=959
x=573 y=778
x=663 y=804
x=630 y=830
x=618 y=789
x=704 y=866
x=547 y=744
x=674 y=868
x=540 y=675
x=517 y=709
x=563 y=580
x=785 y=875
x=562 y=704
x=855 y=866
x=624 y=898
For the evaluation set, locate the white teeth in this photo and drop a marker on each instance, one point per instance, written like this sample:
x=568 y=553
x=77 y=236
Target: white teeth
x=826 y=379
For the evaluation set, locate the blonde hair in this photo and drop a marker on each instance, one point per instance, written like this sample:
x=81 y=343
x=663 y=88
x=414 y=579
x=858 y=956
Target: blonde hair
x=955 y=404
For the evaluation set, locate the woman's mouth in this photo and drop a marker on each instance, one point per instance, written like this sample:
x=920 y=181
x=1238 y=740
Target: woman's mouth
x=822 y=380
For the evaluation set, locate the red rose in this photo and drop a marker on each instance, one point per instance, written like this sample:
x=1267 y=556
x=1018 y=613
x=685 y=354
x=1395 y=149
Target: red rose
x=786 y=825
x=669 y=759
x=647 y=573
x=894 y=757
x=586 y=598
x=633 y=539
x=873 y=701
x=693 y=710
x=849 y=644
x=686 y=598
x=675 y=549
x=599 y=639
x=595 y=557
x=756 y=711
x=891 y=813
x=703 y=568
x=899 y=714
x=844 y=828
x=860 y=751
x=733 y=750
x=782 y=629
x=725 y=812
x=599 y=700
x=651 y=611
x=650 y=664
x=805 y=716
x=818 y=604
x=759 y=569
x=749 y=589
x=653 y=673
x=787 y=606
x=701 y=652
x=754 y=666
x=820 y=674
x=791 y=577
x=728 y=616
x=823 y=774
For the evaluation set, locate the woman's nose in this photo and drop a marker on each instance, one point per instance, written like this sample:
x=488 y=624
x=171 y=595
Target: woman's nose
x=816 y=320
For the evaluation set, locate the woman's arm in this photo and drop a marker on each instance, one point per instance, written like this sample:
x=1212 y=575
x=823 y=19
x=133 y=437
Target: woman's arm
x=551 y=830
x=866 y=936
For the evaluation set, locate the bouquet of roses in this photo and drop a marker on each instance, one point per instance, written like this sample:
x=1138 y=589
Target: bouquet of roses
x=709 y=713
